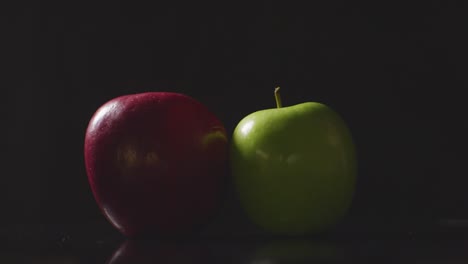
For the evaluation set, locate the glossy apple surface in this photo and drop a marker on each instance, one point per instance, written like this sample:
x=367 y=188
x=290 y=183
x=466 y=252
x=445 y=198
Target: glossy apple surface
x=294 y=168
x=155 y=162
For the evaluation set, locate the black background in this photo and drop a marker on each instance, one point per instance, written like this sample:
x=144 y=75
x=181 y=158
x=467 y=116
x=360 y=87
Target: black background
x=395 y=72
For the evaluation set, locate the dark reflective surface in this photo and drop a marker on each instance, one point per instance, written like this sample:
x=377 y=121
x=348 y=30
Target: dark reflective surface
x=81 y=245
x=264 y=253
x=299 y=251
x=274 y=251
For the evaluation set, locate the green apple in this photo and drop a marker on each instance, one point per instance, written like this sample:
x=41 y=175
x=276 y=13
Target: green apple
x=294 y=167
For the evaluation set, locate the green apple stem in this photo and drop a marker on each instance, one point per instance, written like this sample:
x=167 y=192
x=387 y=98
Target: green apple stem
x=278 y=97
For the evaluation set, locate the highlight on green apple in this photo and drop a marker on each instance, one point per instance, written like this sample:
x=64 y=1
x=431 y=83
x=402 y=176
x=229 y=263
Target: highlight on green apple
x=294 y=167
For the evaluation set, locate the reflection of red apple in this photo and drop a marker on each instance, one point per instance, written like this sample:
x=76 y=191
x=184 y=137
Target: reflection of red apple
x=155 y=162
x=143 y=252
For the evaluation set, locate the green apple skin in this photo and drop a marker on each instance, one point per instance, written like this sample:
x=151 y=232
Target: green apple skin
x=294 y=168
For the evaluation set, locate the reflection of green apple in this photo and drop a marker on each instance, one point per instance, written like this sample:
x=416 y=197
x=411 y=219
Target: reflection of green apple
x=294 y=167
x=299 y=251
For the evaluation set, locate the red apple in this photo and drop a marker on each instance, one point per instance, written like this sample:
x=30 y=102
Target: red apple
x=156 y=162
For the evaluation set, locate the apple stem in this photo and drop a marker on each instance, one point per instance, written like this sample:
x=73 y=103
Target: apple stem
x=278 y=97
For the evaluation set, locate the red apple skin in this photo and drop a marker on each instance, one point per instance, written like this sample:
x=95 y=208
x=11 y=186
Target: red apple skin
x=156 y=163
